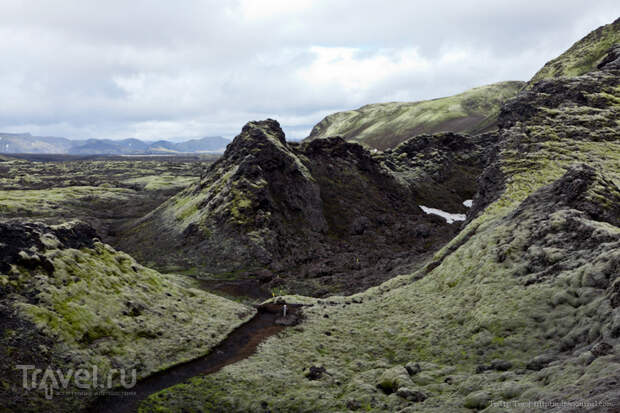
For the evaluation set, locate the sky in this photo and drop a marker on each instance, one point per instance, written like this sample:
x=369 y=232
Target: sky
x=185 y=69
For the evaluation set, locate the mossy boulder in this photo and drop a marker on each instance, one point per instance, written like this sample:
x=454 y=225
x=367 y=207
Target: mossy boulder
x=478 y=400
x=393 y=379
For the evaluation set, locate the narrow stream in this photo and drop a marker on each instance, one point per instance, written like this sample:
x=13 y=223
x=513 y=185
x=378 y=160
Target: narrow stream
x=240 y=344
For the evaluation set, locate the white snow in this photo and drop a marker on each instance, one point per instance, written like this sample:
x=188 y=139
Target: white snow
x=468 y=203
x=449 y=217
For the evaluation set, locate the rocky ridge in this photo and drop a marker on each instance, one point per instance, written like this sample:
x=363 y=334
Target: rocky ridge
x=316 y=217
x=584 y=56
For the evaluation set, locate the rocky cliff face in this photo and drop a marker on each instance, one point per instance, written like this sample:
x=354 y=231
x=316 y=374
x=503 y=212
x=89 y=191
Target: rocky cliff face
x=321 y=216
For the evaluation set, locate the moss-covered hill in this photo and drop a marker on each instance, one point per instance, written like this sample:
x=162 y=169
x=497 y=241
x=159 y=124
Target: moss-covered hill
x=519 y=312
x=69 y=301
x=385 y=125
x=584 y=55
x=320 y=217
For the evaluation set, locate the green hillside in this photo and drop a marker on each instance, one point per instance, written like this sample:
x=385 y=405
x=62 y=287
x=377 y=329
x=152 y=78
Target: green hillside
x=385 y=125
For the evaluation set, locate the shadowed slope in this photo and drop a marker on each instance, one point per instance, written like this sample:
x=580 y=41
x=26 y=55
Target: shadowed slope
x=68 y=301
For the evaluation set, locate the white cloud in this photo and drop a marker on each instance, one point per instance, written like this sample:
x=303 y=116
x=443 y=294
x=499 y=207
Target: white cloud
x=353 y=71
x=154 y=69
x=272 y=9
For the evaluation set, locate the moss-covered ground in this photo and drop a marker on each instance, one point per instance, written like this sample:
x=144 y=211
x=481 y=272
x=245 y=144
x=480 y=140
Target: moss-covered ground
x=105 y=193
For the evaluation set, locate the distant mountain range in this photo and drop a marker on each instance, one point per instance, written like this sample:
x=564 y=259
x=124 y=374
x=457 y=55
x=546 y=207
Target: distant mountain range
x=27 y=143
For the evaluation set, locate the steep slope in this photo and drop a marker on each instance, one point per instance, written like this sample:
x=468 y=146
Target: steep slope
x=519 y=312
x=385 y=125
x=584 y=55
x=319 y=217
x=68 y=301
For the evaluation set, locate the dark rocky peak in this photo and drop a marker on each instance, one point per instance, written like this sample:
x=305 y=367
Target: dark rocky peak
x=260 y=148
x=256 y=135
x=324 y=209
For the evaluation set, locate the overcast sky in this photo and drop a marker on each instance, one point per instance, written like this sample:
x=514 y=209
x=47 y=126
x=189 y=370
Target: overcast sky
x=162 y=69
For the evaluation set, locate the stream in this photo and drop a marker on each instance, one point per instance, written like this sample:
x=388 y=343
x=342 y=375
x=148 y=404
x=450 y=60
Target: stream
x=240 y=343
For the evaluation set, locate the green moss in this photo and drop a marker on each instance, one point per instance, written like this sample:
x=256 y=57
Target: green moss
x=238 y=205
x=161 y=182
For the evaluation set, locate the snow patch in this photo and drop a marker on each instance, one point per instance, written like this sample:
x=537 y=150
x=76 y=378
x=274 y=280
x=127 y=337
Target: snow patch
x=468 y=203
x=449 y=217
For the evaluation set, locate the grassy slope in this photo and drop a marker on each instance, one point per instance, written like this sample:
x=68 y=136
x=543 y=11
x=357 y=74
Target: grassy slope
x=384 y=125
x=100 y=307
x=584 y=55
x=475 y=306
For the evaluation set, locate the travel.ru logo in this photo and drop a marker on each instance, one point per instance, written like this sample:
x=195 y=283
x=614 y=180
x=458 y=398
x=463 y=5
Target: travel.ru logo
x=50 y=380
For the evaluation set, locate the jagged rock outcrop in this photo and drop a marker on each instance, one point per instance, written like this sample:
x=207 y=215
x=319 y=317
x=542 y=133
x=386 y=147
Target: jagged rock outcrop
x=322 y=215
x=546 y=128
